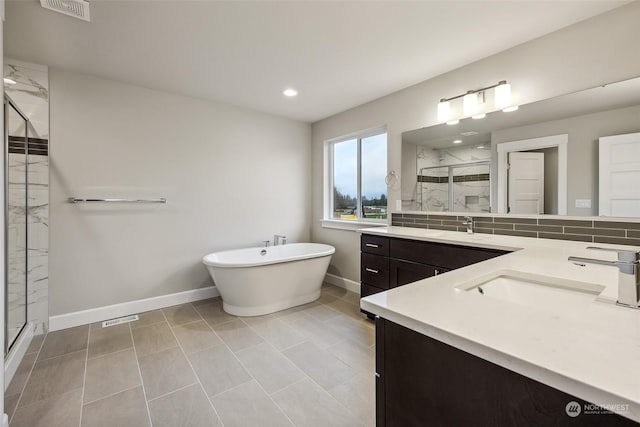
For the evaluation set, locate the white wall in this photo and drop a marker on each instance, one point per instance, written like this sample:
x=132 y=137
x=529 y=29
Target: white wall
x=232 y=177
x=600 y=50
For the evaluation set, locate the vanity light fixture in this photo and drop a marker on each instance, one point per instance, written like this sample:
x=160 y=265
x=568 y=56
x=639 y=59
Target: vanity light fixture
x=290 y=92
x=473 y=98
x=9 y=81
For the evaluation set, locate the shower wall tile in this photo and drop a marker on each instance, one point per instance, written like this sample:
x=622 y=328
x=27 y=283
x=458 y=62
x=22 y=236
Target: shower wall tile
x=31 y=94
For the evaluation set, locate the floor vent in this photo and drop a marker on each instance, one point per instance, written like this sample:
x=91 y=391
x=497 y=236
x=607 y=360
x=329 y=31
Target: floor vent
x=76 y=8
x=120 y=320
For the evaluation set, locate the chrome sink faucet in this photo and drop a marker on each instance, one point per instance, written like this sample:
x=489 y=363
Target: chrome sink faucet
x=468 y=221
x=628 y=273
x=279 y=239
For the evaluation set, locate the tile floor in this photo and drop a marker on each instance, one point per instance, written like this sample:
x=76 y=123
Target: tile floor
x=195 y=365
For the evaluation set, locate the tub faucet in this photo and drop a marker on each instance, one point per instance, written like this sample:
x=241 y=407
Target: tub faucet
x=279 y=239
x=468 y=221
x=628 y=274
x=266 y=243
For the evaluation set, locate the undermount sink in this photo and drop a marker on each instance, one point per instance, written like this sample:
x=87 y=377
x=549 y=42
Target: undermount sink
x=533 y=290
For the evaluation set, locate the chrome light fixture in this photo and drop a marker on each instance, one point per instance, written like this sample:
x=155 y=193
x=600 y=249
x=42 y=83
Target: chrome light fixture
x=471 y=100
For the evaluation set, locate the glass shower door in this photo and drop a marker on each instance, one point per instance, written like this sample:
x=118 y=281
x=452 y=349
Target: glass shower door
x=16 y=202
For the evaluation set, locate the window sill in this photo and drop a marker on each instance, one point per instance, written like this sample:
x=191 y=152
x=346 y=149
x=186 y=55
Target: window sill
x=338 y=224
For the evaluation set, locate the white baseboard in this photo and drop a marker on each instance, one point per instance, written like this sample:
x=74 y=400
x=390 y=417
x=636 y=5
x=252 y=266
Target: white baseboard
x=85 y=317
x=342 y=282
x=13 y=359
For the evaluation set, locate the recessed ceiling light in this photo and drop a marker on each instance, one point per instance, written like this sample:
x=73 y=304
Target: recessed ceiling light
x=290 y=92
x=479 y=116
x=510 y=109
x=453 y=122
x=9 y=81
x=457 y=141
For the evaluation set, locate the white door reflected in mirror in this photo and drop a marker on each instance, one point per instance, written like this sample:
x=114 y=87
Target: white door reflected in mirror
x=619 y=175
x=526 y=183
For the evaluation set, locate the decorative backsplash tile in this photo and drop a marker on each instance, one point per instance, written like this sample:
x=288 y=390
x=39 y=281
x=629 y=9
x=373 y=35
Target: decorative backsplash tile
x=593 y=231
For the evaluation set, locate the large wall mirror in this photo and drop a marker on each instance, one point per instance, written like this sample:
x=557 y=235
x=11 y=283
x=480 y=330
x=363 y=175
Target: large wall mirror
x=576 y=154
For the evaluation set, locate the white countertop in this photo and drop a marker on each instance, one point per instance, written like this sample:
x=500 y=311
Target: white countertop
x=589 y=350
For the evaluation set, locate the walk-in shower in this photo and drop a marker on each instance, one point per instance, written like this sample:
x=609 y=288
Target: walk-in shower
x=464 y=187
x=16 y=142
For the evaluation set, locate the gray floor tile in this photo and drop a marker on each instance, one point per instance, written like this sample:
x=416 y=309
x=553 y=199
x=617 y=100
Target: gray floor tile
x=64 y=342
x=352 y=298
x=126 y=409
x=60 y=410
x=269 y=367
x=276 y=332
x=22 y=374
x=317 y=332
x=108 y=340
x=111 y=374
x=213 y=313
x=188 y=407
x=358 y=395
x=320 y=312
x=148 y=318
x=347 y=308
x=355 y=330
x=153 y=338
x=181 y=314
x=237 y=335
x=206 y=301
x=218 y=369
x=10 y=403
x=248 y=405
x=196 y=336
x=36 y=343
x=308 y=405
x=354 y=355
x=54 y=376
x=325 y=369
x=165 y=371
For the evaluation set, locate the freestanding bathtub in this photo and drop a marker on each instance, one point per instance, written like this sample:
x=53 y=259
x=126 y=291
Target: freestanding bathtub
x=257 y=281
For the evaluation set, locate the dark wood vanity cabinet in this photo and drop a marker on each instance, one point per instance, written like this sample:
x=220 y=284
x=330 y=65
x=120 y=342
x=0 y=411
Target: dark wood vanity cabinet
x=423 y=382
x=387 y=262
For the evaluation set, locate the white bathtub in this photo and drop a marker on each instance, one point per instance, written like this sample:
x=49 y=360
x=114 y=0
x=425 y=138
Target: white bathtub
x=258 y=281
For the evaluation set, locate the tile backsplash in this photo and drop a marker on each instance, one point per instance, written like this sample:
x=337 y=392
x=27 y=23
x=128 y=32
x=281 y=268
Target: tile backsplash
x=617 y=232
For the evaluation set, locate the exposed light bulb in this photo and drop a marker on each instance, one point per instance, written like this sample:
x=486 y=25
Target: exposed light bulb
x=9 y=81
x=470 y=104
x=290 y=92
x=502 y=96
x=479 y=116
x=444 y=111
x=453 y=122
x=510 y=109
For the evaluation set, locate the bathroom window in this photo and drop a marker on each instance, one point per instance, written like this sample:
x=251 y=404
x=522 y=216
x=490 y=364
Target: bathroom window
x=356 y=166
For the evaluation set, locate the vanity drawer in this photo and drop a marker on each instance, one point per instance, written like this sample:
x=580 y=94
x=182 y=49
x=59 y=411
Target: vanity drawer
x=440 y=254
x=366 y=290
x=374 y=270
x=374 y=245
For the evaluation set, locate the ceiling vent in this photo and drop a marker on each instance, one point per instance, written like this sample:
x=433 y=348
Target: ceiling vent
x=76 y=8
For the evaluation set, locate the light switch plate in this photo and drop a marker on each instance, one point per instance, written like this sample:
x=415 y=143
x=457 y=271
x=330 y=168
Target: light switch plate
x=583 y=203
x=398 y=205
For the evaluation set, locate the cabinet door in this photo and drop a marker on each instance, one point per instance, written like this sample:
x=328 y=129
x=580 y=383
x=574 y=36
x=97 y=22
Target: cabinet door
x=403 y=272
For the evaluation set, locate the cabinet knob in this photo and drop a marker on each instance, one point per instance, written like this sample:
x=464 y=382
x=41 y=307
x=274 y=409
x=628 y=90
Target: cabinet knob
x=371 y=270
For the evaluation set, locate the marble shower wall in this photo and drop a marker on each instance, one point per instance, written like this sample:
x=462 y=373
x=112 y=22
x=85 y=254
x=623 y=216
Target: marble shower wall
x=471 y=185
x=31 y=94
